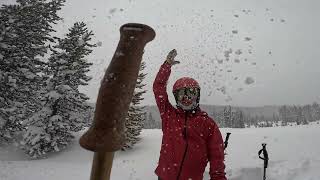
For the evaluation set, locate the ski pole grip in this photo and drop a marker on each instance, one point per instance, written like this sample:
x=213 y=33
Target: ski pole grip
x=116 y=90
x=226 y=141
x=228 y=135
x=265 y=157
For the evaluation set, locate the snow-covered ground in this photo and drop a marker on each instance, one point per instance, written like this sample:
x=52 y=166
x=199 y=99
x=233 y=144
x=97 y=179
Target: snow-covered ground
x=293 y=152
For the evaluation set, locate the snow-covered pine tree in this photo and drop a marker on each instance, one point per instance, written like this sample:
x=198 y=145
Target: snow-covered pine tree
x=68 y=60
x=234 y=117
x=51 y=128
x=316 y=111
x=307 y=112
x=227 y=114
x=151 y=121
x=302 y=117
x=136 y=114
x=284 y=115
x=219 y=118
x=25 y=29
x=240 y=120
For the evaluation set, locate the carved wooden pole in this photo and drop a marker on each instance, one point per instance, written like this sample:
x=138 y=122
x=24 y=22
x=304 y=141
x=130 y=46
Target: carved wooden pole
x=106 y=135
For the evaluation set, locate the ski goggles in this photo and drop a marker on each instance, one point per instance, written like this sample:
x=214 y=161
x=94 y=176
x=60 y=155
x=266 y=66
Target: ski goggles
x=189 y=92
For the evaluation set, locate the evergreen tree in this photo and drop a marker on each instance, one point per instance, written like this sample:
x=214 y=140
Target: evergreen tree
x=136 y=114
x=234 y=117
x=25 y=32
x=307 y=112
x=227 y=116
x=275 y=118
x=50 y=129
x=269 y=123
x=316 y=111
x=68 y=61
x=284 y=115
x=302 y=117
x=297 y=114
x=151 y=121
x=216 y=116
x=241 y=123
x=256 y=120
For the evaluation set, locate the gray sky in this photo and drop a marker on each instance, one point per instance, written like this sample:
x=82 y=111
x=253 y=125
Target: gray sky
x=281 y=56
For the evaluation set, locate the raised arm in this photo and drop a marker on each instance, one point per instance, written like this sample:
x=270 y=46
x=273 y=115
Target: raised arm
x=160 y=87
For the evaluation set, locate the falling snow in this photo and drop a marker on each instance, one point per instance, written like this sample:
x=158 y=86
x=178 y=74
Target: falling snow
x=249 y=80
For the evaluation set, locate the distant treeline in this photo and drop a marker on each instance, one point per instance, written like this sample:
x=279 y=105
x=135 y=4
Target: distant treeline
x=236 y=117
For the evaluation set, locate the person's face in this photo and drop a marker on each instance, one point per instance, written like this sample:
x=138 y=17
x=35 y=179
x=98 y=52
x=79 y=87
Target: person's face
x=187 y=97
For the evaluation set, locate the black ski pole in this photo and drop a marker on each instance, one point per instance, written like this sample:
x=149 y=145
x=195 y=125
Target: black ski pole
x=226 y=141
x=265 y=158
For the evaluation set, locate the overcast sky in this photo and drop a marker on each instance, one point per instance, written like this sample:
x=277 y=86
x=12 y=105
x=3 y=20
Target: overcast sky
x=274 y=56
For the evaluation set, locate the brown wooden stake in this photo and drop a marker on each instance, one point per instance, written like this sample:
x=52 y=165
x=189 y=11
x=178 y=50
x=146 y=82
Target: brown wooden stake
x=106 y=135
x=101 y=165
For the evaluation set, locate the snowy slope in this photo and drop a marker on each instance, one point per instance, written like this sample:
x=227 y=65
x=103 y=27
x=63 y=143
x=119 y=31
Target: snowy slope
x=293 y=151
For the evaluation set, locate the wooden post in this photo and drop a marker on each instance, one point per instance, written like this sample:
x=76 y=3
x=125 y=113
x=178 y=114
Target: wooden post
x=101 y=165
x=106 y=135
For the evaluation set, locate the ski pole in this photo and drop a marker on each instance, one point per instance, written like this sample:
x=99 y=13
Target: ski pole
x=106 y=135
x=226 y=141
x=265 y=158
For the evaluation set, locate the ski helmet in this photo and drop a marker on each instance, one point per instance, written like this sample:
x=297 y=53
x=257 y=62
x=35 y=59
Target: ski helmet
x=185 y=82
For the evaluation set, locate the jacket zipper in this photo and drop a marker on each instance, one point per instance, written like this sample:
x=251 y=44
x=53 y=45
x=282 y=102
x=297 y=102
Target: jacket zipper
x=186 y=149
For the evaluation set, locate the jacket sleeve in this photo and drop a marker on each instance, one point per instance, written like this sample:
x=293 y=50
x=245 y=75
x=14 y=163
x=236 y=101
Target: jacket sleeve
x=160 y=92
x=215 y=147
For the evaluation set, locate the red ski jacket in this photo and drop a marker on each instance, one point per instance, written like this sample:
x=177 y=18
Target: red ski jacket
x=190 y=139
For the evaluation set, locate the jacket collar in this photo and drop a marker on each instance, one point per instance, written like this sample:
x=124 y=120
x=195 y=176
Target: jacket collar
x=194 y=112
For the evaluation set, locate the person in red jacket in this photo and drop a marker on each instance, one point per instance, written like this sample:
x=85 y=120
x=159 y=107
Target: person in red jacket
x=190 y=138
